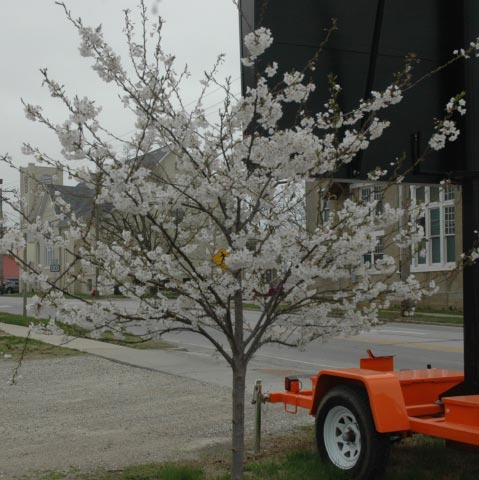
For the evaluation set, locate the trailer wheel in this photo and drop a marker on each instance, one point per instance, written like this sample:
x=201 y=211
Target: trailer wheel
x=346 y=435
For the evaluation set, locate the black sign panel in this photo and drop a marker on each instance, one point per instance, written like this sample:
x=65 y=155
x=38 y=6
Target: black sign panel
x=373 y=38
x=369 y=47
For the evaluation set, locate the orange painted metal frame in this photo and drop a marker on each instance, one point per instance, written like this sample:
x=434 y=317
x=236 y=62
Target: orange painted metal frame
x=401 y=401
x=384 y=391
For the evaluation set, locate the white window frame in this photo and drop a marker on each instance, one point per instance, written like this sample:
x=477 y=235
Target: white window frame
x=378 y=252
x=367 y=192
x=370 y=193
x=445 y=206
x=49 y=256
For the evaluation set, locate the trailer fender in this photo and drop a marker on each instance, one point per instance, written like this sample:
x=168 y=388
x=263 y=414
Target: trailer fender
x=383 y=389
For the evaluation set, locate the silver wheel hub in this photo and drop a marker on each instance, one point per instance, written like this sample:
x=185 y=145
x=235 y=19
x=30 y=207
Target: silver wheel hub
x=342 y=438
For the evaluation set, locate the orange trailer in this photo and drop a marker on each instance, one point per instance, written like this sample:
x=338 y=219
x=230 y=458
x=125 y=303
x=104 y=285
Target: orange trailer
x=359 y=410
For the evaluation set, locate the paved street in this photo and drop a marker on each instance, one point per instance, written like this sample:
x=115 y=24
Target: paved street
x=414 y=346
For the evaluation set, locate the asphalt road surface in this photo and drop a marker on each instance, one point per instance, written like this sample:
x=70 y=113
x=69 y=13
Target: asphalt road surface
x=413 y=345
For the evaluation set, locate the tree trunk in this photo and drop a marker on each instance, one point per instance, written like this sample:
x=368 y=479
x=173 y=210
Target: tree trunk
x=239 y=385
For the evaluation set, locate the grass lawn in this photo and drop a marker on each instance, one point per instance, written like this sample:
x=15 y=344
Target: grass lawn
x=294 y=457
x=15 y=319
x=12 y=347
x=137 y=342
x=423 y=317
x=128 y=341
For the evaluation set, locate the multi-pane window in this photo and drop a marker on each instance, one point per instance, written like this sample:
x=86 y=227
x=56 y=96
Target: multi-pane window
x=49 y=256
x=448 y=193
x=373 y=193
x=378 y=252
x=325 y=209
x=450 y=233
x=251 y=244
x=367 y=194
x=439 y=223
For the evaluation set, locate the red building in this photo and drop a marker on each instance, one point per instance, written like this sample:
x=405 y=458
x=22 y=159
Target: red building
x=10 y=267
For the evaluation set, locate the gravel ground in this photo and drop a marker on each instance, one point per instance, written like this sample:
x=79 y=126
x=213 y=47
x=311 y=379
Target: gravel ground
x=86 y=412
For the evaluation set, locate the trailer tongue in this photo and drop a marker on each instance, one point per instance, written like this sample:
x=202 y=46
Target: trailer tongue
x=358 y=410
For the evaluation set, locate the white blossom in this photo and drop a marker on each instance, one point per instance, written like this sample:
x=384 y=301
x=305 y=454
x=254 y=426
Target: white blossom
x=257 y=42
x=271 y=70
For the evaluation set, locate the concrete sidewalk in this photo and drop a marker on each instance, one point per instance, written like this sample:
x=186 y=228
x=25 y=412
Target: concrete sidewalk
x=204 y=367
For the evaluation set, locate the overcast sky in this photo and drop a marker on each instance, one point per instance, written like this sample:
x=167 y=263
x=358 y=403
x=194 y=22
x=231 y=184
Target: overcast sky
x=36 y=34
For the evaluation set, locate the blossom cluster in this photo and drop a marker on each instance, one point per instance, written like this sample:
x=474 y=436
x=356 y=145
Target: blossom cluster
x=257 y=42
x=446 y=130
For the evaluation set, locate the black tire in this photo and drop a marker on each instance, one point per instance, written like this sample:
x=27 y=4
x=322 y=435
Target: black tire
x=9 y=290
x=346 y=435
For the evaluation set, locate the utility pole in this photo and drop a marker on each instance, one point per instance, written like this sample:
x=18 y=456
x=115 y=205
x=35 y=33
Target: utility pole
x=25 y=258
x=1 y=231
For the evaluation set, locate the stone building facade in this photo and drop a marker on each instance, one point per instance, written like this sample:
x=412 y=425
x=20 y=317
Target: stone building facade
x=435 y=259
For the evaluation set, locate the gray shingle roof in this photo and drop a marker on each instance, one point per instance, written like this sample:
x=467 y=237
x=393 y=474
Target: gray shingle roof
x=79 y=197
x=150 y=160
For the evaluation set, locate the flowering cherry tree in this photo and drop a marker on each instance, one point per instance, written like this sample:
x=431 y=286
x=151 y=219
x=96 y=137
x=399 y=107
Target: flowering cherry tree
x=192 y=245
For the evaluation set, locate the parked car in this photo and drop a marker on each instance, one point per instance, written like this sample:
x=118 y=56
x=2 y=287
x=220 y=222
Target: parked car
x=10 y=286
